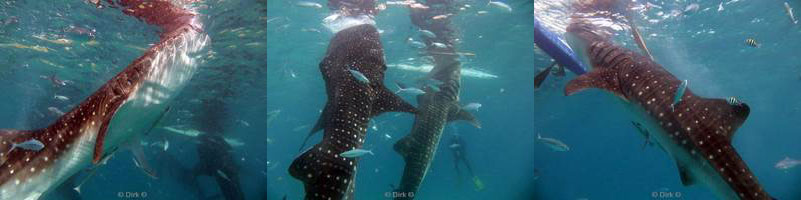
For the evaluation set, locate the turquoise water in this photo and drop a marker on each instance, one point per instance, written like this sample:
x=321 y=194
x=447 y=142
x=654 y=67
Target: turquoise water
x=706 y=47
x=36 y=42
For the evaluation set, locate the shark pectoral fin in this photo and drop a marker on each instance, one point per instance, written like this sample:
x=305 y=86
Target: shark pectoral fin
x=462 y=114
x=730 y=115
x=540 y=77
x=601 y=78
x=141 y=161
x=686 y=177
x=101 y=136
x=390 y=102
x=317 y=126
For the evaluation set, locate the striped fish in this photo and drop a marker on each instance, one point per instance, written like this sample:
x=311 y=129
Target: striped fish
x=751 y=42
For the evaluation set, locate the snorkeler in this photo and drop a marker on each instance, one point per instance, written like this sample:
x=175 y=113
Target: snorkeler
x=457 y=147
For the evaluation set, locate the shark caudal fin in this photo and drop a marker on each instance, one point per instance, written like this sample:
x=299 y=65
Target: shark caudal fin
x=10 y=137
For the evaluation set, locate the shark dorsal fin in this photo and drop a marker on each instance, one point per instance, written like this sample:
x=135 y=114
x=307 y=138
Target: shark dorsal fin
x=686 y=177
x=601 y=78
x=390 y=102
x=728 y=115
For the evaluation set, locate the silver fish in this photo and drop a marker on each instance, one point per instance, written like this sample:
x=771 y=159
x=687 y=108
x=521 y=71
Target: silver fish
x=359 y=76
x=472 y=107
x=552 y=143
x=355 y=153
x=32 y=144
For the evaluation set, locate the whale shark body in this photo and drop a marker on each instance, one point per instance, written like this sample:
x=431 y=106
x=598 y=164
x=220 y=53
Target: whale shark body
x=435 y=109
x=122 y=109
x=350 y=106
x=697 y=133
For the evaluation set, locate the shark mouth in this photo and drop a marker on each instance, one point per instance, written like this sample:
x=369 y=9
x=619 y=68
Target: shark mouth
x=695 y=131
x=80 y=137
x=351 y=104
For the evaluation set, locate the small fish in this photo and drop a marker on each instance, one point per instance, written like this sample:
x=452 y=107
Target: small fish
x=500 y=5
x=243 y=122
x=359 y=76
x=223 y=175
x=387 y=136
x=482 y=12
x=374 y=127
x=166 y=145
x=472 y=106
x=310 y=30
x=787 y=163
x=720 y=6
x=453 y=146
x=428 y=33
x=355 y=153
x=438 y=17
x=789 y=11
x=693 y=7
x=418 y=6
x=417 y=44
x=31 y=145
x=55 y=111
x=751 y=42
x=307 y=4
x=403 y=89
x=679 y=94
x=62 y=98
x=733 y=101
x=439 y=45
x=554 y=144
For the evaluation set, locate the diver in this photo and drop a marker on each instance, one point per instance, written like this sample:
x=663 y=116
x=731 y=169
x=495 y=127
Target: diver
x=215 y=160
x=457 y=147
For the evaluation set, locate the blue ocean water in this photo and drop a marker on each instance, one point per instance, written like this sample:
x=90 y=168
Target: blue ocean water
x=501 y=152
x=707 y=47
x=41 y=40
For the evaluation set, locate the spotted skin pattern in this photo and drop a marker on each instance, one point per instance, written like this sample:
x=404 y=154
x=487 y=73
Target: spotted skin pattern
x=351 y=104
x=77 y=139
x=701 y=128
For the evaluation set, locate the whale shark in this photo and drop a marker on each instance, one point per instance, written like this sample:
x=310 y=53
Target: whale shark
x=350 y=106
x=117 y=113
x=435 y=109
x=697 y=133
